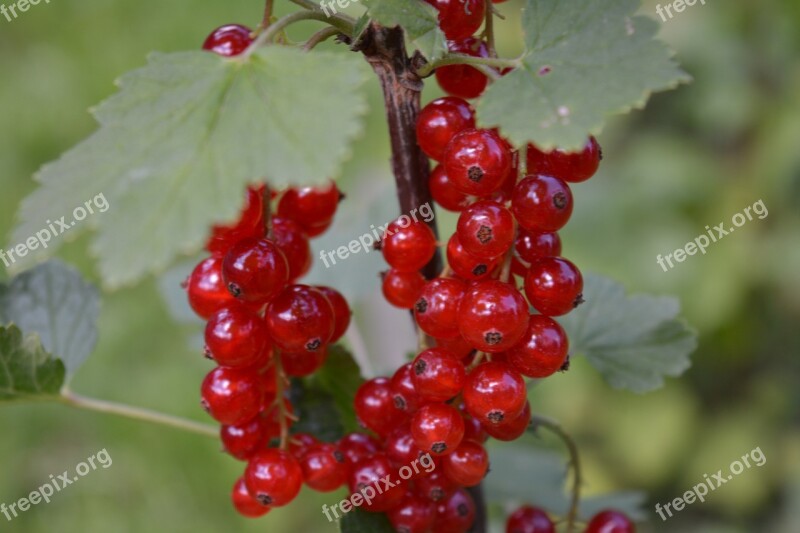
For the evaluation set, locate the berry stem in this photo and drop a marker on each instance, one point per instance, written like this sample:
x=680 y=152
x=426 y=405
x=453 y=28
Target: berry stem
x=574 y=463
x=281 y=24
x=267 y=20
x=461 y=59
x=488 y=30
x=267 y=211
x=280 y=388
x=321 y=36
x=101 y=406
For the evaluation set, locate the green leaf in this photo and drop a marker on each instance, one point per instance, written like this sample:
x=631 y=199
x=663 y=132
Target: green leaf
x=420 y=21
x=358 y=521
x=633 y=341
x=316 y=412
x=182 y=138
x=584 y=60
x=341 y=377
x=54 y=301
x=26 y=370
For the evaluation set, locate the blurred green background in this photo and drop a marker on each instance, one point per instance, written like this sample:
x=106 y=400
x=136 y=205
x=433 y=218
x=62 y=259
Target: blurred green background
x=694 y=157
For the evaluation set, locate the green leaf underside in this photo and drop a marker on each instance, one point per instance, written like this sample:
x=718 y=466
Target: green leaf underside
x=358 y=521
x=26 y=370
x=182 y=138
x=420 y=21
x=633 y=341
x=54 y=301
x=316 y=411
x=600 y=60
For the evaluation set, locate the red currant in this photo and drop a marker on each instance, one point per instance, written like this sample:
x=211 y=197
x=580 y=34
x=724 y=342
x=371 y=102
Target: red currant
x=402 y=289
x=304 y=363
x=404 y=392
x=294 y=244
x=554 y=286
x=255 y=270
x=459 y=19
x=357 y=447
x=312 y=208
x=413 y=515
x=435 y=486
x=249 y=225
x=494 y=392
x=206 y=288
x=368 y=473
x=440 y=121
x=466 y=265
x=463 y=80
x=236 y=336
x=244 y=440
x=324 y=467
x=477 y=162
x=531 y=246
x=486 y=229
x=300 y=319
x=341 y=311
x=300 y=443
x=438 y=375
x=231 y=396
x=444 y=191
x=467 y=465
x=568 y=166
x=610 y=521
x=408 y=245
x=510 y=430
x=542 y=203
x=492 y=316
x=375 y=407
x=229 y=41
x=437 y=428
x=529 y=519
x=273 y=477
x=543 y=349
x=455 y=514
x=436 y=311
x=245 y=504
x=400 y=448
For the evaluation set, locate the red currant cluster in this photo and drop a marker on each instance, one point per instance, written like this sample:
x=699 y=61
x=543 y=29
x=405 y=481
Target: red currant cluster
x=529 y=519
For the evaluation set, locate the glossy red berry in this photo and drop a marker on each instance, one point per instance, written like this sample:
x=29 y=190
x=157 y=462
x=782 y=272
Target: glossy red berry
x=357 y=447
x=492 y=316
x=486 y=229
x=554 y=286
x=304 y=363
x=610 y=521
x=375 y=407
x=413 y=515
x=436 y=311
x=434 y=486
x=531 y=246
x=402 y=289
x=494 y=392
x=510 y=430
x=312 y=208
x=440 y=121
x=462 y=80
x=542 y=350
x=444 y=191
x=368 y=473
x=273 y=477
x=455 y=514
x=341 y=311
x=244 y=440
x=438 y=375
x=300 y=319
x=249 y=225
x=294 y=244
x=542 y=203
x=255 y=270
x=229 y=41
x=459 y=19
x=400 y=448
x=324 y=467
x=467 y=465
x=404 y=392
x=245 y=504
x=300 y=443
x=474 y=429
x=573 y=167
x=206 y=289
x=236 y=336
x=477 y=162
x=437 y=428
x=466 y=265
x=231 y=396
x=408 y=245
x=529 y=519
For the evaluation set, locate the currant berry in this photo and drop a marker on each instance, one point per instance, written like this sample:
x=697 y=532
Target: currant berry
x=375 y=407
x=273 y=477
x=444 y=191
x=437 y=428
x=542 y=203
x=294 y=244
x=400 y=448
x=229 y=41
x=542 y=350
x=436 y=311
x=324 y=467
x=492 y=316
x=440 y=121
x=255 y=270
x=455 y=514
x=438 y=375
x=510 y=430
x=312 y=208
x=554 y=286
x=243 y=440
x=245 y=504
x=494 y=392
x=467 y=465
x=369 y=472
x=341 y=311
x=300 y=443
x=413 y=515
x=250 y=224
x=236 y=336
x=459 y=19
x=463 y=80
x=531 y=246
x=304 y=363
x=458 y=346
x=474 y=429
x=231 y=396
x=357 y=447
x=300 y=319
x=434 y=486
x=529 y=519
x=206 y=288
x=466 y=265
x=408 y=246
x=404 y=392
x=402 y=289
x=477 y=161
x=574 y=167
x=486 y=229
x=610 y=521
